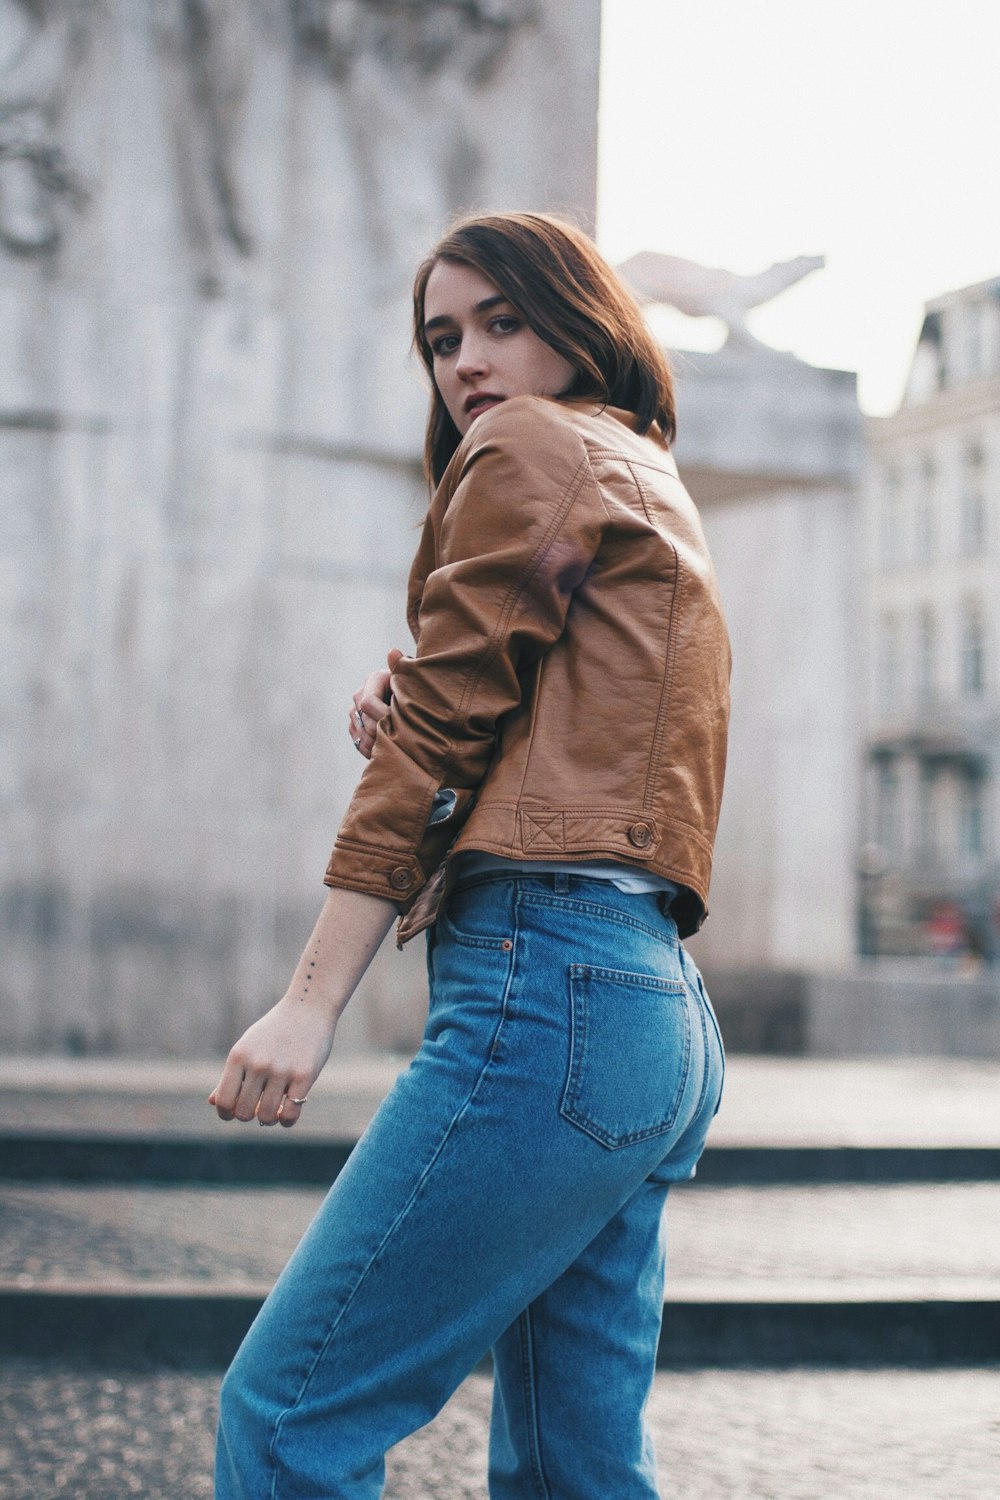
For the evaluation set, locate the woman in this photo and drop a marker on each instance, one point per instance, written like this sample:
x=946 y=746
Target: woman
x=541 y=796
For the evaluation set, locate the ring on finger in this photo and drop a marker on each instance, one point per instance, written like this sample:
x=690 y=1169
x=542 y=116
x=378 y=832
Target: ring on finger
x=360 y=718
x=357 y=743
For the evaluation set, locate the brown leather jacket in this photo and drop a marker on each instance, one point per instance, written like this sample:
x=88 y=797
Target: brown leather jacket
x=571 y=677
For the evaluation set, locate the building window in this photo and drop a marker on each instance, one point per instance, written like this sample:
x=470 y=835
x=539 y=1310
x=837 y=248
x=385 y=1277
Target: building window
x=928 y=840
x=926 y=654
x=973 y=649
x=887 y=818
x=973 y=517
x=926 y=529
x=890 y=661
x=972 y=818
x=890 y=514
x=974 y=351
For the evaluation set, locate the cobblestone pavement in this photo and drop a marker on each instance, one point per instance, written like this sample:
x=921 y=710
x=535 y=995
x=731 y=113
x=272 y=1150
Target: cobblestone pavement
x=721 y=1435
x=864 y=1233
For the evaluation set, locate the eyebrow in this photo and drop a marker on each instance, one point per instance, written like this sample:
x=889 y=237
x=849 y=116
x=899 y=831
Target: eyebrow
x=480 y=307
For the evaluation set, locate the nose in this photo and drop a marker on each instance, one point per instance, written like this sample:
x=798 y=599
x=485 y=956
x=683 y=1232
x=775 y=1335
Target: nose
x=472 y=362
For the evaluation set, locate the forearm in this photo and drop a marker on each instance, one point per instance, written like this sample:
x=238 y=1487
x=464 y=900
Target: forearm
x=348 y=933
x=270 y=1070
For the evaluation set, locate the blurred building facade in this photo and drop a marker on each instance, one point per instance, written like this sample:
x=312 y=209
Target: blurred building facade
x=210 y=437
x=929 y=871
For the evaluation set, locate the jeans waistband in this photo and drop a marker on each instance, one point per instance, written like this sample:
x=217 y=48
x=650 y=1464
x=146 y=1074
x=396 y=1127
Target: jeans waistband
x=553 y=880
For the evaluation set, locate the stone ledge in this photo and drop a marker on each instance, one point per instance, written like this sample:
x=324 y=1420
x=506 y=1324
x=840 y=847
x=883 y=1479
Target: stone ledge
x=194 y=1328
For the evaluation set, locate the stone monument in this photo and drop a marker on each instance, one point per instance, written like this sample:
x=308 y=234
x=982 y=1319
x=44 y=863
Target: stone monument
x=210 y=428
x=770 y=448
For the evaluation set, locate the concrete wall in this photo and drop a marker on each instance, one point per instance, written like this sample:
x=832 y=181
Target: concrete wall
x=209 y=444
x=892 y=1008
x=769 y=448
x=783 y=881
x=903 y=1010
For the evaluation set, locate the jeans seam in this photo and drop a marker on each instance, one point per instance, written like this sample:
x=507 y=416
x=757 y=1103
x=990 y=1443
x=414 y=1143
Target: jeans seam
x=597 y=908
x=705 y=1068
x=529 y=1391
x=489 y=1060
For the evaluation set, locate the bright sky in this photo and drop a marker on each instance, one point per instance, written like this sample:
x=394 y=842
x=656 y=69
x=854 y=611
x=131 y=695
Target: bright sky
x=737 y=134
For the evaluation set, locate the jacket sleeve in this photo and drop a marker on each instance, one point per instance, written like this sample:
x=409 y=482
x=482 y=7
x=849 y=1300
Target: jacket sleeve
x=522 y=527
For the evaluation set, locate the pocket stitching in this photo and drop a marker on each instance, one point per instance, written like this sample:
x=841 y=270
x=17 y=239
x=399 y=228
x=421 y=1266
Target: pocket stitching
x=469 y=939
x=598 y=909
x=571 y=1105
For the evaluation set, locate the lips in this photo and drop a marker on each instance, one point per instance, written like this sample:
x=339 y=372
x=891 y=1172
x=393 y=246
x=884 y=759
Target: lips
x=479 y=401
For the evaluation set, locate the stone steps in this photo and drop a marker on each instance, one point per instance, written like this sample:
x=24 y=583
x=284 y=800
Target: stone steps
x=766 y=1275
x=183 y=1326
x=843 y=1213
x=276 y=1158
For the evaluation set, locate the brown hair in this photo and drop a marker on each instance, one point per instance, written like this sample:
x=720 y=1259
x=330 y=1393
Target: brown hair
x=572 y=299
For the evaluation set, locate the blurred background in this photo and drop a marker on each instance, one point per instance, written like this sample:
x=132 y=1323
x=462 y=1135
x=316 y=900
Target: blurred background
x=210 y=437
x=210 y=427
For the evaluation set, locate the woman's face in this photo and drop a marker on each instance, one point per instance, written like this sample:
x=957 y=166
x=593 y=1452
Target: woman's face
x=483 y=349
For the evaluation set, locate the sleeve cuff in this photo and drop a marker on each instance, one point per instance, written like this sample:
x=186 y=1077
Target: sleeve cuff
x=375 y=873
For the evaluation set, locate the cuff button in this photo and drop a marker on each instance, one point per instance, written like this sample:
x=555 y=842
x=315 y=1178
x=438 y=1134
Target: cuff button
x=401 y=879
x=641 y=835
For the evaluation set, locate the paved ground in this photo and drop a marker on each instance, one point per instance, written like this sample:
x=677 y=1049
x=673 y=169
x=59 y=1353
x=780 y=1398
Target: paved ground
x=735 y=1435
x=107 y=1433
x=768 y=1100
x=939 y=1238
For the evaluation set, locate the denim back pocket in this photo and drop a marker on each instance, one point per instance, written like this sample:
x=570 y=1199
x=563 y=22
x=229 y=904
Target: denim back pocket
x=630 y=1054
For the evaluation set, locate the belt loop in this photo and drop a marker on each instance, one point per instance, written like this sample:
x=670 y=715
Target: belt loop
x=561 y=882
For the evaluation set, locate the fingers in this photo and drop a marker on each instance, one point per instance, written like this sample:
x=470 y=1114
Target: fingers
x=238 y=1092
x=246 y=1096
x=290 y=1111
x=269 y=1105
x=227 y=1090
x=361 y=727
x=371 y=704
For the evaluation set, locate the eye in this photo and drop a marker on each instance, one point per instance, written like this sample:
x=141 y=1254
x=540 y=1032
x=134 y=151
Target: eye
x=446 y=343
x=504 y=323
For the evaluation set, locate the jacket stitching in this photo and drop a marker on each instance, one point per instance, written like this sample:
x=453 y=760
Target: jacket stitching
x=659 y=732
x=668 y=678
x=669 y=871
x=668 y=467
x=641 y=492
x=590 y=809
x=541 y=660
x=514 y=593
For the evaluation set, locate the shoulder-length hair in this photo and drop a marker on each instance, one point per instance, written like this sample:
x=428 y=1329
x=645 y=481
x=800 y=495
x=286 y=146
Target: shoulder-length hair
x=572 y=299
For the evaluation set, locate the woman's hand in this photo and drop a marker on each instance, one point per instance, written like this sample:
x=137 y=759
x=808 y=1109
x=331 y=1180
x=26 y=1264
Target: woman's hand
x=371 y=703
x=275 y=1063
x=279 y=1058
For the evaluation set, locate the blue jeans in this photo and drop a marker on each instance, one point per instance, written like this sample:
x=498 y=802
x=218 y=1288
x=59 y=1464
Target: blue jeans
x=507 y=1195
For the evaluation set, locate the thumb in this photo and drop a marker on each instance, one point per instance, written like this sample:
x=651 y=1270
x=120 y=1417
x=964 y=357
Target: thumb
x=394 y=657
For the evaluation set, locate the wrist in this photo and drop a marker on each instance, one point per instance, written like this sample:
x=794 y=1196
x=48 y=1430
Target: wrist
x=315 y=998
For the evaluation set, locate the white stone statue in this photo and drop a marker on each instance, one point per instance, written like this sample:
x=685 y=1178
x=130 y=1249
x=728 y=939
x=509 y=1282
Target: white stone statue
x=707 y=291
x=41 y=46
x=206 y=48
x=424 y=36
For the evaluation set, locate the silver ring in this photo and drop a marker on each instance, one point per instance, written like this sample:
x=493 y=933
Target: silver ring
x=357 y=743
x=360 y=718
x=299 y=1101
